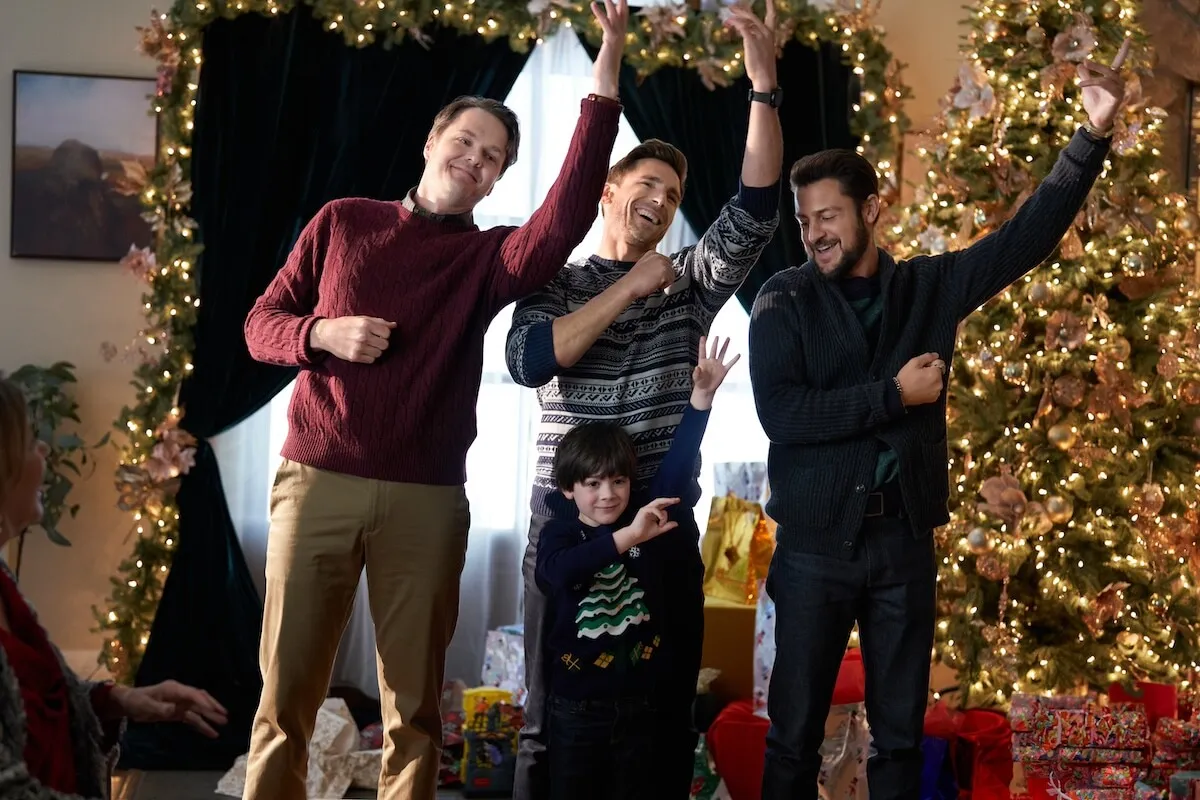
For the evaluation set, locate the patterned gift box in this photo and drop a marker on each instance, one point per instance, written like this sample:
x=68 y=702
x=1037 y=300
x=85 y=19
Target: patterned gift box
x=1166 y=755
x=1178 y=734
x=1026 y=709
x=504 y=661
x=1099 y=727
x=1100 y=794
x=1094 y=776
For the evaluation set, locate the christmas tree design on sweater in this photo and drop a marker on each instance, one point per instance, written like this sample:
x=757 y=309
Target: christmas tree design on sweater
x=614 y=603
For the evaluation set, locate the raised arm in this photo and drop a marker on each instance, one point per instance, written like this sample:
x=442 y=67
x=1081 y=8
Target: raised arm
x=732 y=245
x=790 y=411
x=984 y=269
x=533 y=253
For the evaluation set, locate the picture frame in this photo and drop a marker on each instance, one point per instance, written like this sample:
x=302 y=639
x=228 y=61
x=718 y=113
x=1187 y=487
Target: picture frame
x=79 y=143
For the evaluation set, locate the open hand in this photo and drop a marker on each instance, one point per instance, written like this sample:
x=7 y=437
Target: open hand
x=358 y=339
x=758 y=44
x=613 y=16
x=172 y=702
x=1103 y=88
x=711 y=369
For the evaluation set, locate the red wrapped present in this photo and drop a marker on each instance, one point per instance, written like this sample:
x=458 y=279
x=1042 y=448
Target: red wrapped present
x=1026 y=708
x=1159 y=699
x=1178 y=734
x=1040 y=789
x=1092 y=776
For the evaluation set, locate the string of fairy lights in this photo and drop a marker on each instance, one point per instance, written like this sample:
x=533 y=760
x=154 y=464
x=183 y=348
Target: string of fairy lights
x=158 y=451
x=1074 y=442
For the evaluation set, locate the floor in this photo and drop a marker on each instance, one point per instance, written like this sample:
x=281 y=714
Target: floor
x=192 y=786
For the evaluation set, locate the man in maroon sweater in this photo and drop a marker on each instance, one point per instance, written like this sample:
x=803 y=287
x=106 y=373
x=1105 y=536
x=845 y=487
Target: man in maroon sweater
x=383 y=306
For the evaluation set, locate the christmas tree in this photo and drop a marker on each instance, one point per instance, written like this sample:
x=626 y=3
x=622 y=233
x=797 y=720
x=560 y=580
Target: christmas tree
x=1074 y=421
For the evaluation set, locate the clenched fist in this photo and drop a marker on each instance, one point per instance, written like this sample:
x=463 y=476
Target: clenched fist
x=922 y=379
x=357 y=339
x=652 y=272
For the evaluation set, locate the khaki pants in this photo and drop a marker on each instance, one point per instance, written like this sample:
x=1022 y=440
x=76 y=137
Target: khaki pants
x=324 y=527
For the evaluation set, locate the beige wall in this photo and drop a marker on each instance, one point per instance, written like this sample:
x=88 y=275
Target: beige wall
x=52 y=310
x=926 y=36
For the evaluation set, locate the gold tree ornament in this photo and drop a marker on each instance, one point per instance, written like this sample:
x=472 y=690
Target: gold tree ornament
x=1059 y=509
x=1062 y=436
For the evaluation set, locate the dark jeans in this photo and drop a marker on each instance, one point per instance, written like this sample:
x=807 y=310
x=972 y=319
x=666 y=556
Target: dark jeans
x=601 y=750
x=889 y=588
x=683 y=615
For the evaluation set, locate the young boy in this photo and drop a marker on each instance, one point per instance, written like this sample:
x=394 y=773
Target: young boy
x=602 y=574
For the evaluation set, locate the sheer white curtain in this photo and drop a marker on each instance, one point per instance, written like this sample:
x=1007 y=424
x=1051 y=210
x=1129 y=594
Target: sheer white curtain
x=500 y=464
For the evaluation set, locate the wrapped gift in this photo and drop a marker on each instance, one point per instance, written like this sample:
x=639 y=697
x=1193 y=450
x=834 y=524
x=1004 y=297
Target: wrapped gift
x=504 y=661
x=1180 y=735
x=1144 y=791
x=740 y=539
x=1184 y=786
x=764 y=651
x=334 y=762
x=844 y=754
x=1092 y=734
x=1026 y=709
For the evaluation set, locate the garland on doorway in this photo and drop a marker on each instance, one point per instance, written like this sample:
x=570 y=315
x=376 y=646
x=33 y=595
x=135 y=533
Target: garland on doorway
x=158 y=452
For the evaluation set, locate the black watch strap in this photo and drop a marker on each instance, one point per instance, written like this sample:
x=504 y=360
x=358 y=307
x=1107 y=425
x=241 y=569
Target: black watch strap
x=772 y=98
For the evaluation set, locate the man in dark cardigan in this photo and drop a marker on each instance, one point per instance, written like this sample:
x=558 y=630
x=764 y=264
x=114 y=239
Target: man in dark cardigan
x=848 y=357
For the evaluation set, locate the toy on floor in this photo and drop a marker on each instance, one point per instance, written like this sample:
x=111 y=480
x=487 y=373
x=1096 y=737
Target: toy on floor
x=490 y=742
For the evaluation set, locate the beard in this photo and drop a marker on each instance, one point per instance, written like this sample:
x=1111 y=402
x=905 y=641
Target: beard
x=642 y=233
x=851 y=254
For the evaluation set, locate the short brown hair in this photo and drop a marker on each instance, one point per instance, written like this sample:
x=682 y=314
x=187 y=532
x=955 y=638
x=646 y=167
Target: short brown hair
x=494 y=107
x=16 y=435
x=593 y=450
x=853 y=172
x=656 y=149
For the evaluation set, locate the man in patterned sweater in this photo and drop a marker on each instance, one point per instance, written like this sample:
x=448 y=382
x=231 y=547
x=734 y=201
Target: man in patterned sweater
x=602 y=342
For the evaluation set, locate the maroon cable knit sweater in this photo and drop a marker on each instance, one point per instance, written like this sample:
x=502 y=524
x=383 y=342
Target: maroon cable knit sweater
x=410 y=416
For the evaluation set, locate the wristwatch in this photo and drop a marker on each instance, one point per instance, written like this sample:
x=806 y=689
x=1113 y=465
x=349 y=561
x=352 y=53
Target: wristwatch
x=772 y=98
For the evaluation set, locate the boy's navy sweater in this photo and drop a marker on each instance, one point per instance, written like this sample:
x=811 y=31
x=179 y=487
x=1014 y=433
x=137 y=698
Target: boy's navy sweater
x=604 y=639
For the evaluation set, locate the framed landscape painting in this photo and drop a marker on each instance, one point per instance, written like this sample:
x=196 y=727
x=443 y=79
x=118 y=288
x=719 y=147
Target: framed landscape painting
x=79 y=141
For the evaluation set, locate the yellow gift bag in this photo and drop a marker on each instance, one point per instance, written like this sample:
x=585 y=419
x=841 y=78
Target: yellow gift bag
x=740 y=538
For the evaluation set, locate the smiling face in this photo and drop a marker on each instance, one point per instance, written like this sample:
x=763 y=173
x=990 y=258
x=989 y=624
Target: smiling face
x=601 y=500
x=640 y=205
x=833 y=228
x=837 y=206
x=466 y=153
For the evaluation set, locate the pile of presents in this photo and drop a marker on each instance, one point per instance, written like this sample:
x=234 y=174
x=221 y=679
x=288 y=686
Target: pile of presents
x=1131 y=749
